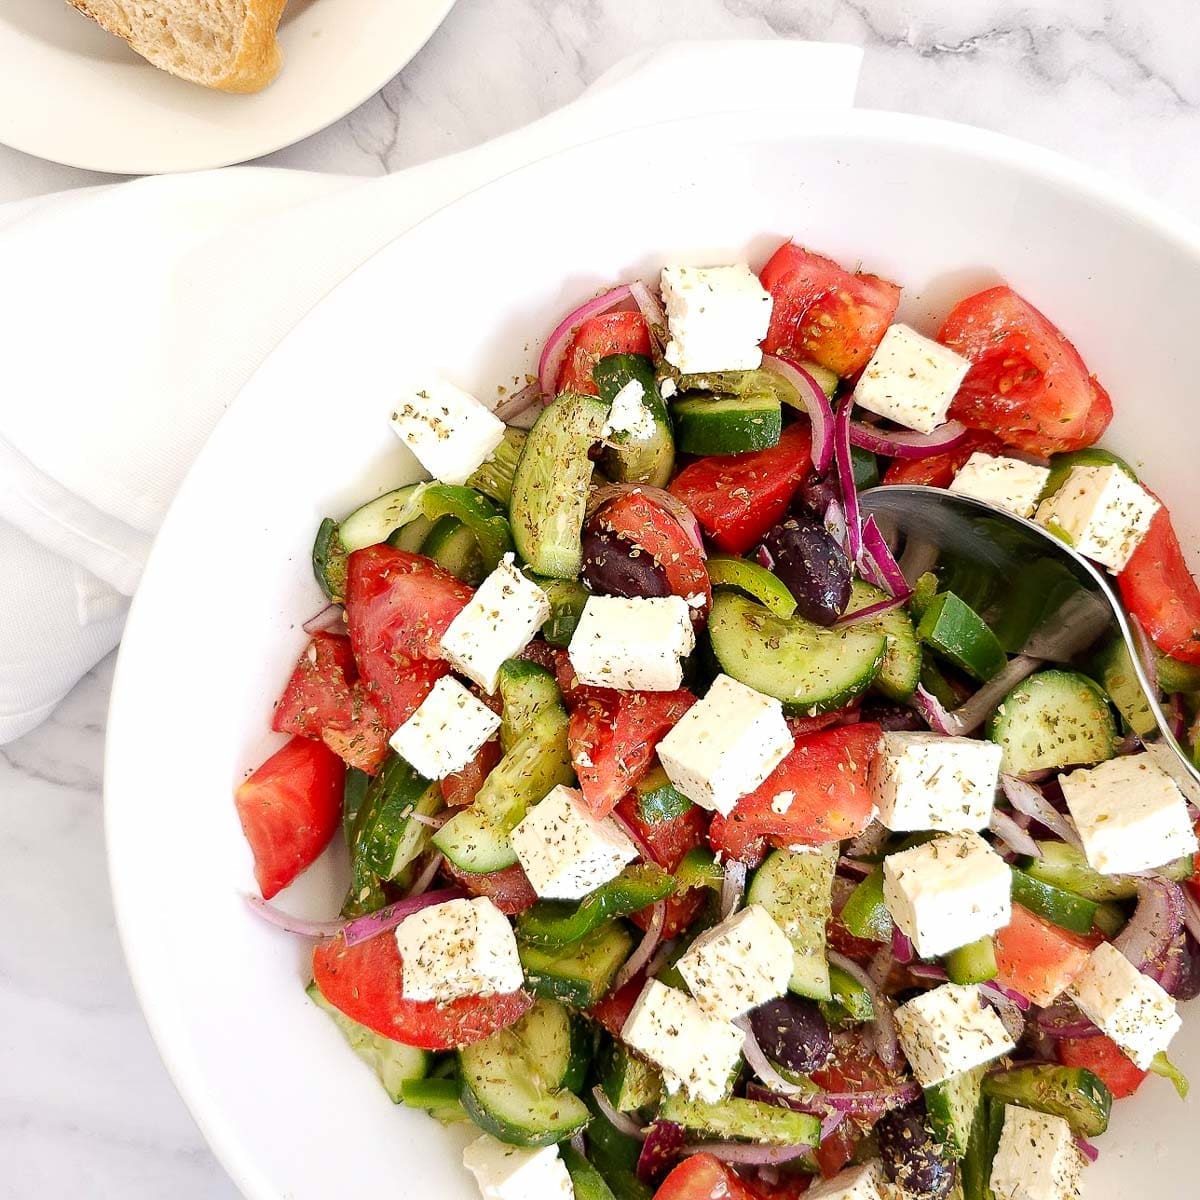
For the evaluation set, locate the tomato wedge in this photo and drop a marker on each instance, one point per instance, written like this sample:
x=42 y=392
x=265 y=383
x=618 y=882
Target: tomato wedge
x=363 y=741
x=826 y=776
x=1039 y=959
x=823 y=313
x=667 y=842
x=318 y=693
x=1158 y=588
x=703 y=1177
x=364 y=982
x=738 y=497
x=939 y=470
x=682 y=909
x=509 y=890
x=613 y=1011
x=597 y=338
x=461 y=787
x=290 y=808
x=1103 y=1057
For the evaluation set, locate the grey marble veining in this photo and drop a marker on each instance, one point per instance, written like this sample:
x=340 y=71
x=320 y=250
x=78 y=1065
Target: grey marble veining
x=86 y=1109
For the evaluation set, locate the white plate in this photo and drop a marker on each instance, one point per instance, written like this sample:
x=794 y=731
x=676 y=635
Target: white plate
x=215 y=627
x=74 y=94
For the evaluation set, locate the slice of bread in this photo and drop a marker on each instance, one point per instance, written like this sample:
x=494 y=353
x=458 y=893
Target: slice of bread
x=224 y=44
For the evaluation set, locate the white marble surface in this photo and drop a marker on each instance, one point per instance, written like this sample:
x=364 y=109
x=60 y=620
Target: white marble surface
x=86 y=1109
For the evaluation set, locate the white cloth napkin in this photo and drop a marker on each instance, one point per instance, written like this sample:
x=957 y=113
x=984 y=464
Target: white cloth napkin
x=133 y=314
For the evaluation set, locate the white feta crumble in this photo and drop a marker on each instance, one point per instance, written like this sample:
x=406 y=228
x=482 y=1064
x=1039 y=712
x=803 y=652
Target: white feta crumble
x=927 y=781
x=867 y=1182
x=781 y=802
x=1129 y=1007
x=460 y=948
x=1130 y=814
x=1008 y=483
x=717 y=316
x=739 y=964
x=506 y=1172
x=948 y=892
x=911 y=379
x=1037 y=1158
x=1103 y=512
x=567 y=852
x=446 y=731
x=629 y=414
x=448 y=430
x=695 y=1051
x=947 y=1031
x=497 y=623
x=634 y=643
x=725 y=745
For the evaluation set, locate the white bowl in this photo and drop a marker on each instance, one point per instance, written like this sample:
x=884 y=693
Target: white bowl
x=215 y=627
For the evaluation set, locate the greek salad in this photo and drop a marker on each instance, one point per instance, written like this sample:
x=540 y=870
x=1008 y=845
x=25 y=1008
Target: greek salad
x=703 y=843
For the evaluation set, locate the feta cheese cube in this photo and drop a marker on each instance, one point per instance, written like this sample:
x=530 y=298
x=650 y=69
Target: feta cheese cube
x=717 y=316
x=867 y=1182
x=1130 y=814
x=450 y=432
x=911 y=379
x=446 y=731
x=739 y=964
x=1129 y=1007
x=629 y=414
x=926 y=781
x=633 y=643
x=1008 y=483
x=460 y=948
x=565 y=851
x=515 y=1173
x=497 y=624
x=1103 y=511
x=1037 y=1158
x=695 y=1051
x=948 y=892
x=948 y=1030
x=725 y=745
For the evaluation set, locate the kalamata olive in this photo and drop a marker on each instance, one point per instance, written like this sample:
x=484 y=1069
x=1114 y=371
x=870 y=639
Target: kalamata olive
x=813 y=566
x=793 y=1033
x=814 y=496
x=911 y=1158
x=891 y=717
x=614 y=566
x=1181 y=977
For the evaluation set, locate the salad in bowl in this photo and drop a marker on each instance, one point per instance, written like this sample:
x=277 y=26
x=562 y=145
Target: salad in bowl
x=705 y=842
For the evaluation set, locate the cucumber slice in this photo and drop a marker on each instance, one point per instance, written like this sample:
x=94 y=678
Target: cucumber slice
x=626 y=459
x=699 y=869
x=901 y=670
x=586 y=1182
x=865 y=467
x=455 y=549
x=727 y=424
x=1065 y=867
x=1062 y=908
x=726 y=571
x=747 y=1120
x=329 y=560
x=431 y=1093
x=1073 y=1093
x=567 y=598
x=1051 y=720
x=581 y=974
x=975 y=1172
x=658 y=799
x=953 y=629
x=1113 y=668
x=629 y=1082
x=1062 y=464
x=797 y=892
x=375 y=521
x=527 y=692
x=513 y=1080
x=354 y=792
x=850 y=996
x=811 y=669
x=864 y=914
x=614 y=1155
x=975 y=963
x=386 y=838
x=393 y=1062
x=494 y=478
x=762 y=382
x=550 y=487
x=952 y=1106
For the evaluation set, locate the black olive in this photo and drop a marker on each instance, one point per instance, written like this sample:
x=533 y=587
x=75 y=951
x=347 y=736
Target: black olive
x=615 y=566
x=793 y=1033
x=911 y=1158
x=814 y=496
x=813 y=566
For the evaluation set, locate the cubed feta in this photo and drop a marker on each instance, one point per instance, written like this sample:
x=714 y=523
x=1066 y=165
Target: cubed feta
x=629 y=414
x=565 y=851
x=450 y=432
x=911 y=379
x=867 y=1182
x=1130 y=814
x=506 y=1172
x=725 y=745
x=1037 y=1158
x=460 y=948
x=498 y=623
x=632 y=643
x=1007 y=483
x=948 y=892
x=1103 y=512
x=739 y=964
x=446 y=731
x=1129 y=1007
x=717 y=317
x=695 y=1051
x=927 y=781
x=948 y=1030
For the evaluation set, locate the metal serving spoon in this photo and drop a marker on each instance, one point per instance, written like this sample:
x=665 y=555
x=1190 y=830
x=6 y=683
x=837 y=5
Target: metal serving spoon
x=1041 y=597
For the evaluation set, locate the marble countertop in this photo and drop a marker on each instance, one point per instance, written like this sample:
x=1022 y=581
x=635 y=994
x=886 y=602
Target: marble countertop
x=86 y=1108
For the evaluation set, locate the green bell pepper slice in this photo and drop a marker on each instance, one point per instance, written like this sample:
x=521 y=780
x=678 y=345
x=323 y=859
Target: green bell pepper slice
x=482 y=517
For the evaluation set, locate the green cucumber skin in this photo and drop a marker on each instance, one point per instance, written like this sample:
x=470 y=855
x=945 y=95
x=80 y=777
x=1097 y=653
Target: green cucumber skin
x=581 y=974
x=1113 y=669
x=378 y=519
x=329 y=560
x=974 y=963
x=952 y=1108
x=454 y=548
x=1064 y=867
x=1060 y=907
x=726 y=424
x=386 y=839
x=952 y=629
x=649 y=460
x=1072 y=1093
x=748 y=1119
x=901 y=670
x=586 y=1182
x=494 y=478
x=486 y=523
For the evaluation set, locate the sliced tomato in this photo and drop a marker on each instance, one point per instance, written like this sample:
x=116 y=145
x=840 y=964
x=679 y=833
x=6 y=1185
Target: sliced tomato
x=1099 y=416
x=318 y=693
x=461 y=787
x=702 y=1177
x=738 y=497
x=826 y=776
x=290 y=808
x=854 y=1068
x=363 y=742
x=939 y=470
x=823 y=313
x=1039 y=959
x=783 y=1187
x=682 y=909
x=597 y=338
x=1158 y=588
x=613 y=738
x=365 y=983
x=509 y=890
x=1027 y=383
x=613 y=1011
x=666 y=841
x=1103 y=1057
x=803 y=726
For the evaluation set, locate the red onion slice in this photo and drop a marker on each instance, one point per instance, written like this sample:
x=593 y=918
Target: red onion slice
x=621 y=1122
x=733 y=888
x=1011 y=834
x=855 y=867
x=970 y=715
x=902 y=947
x=1011 y=994
x=427 y=876
x=664 y=499
x=514 y=404
x=887 y=1044
x=1063 y=1020
x=845 y=474
x=1147 y=939
x=557 y=344
x=873 y=1103
x=927 y=972
x=1090 y=1152
x=645 y=949
x=870 y=612
x=330 y=617
x=649 y=307
x=815 y=403
x=907 y=443
x=747 y=1153
x=1191 y=913
x=301 y=926
x=363 y=928
x=762 y=1066
x=660 y=1151
x=880 y=563
x=1028 y=800
x=764 y=558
